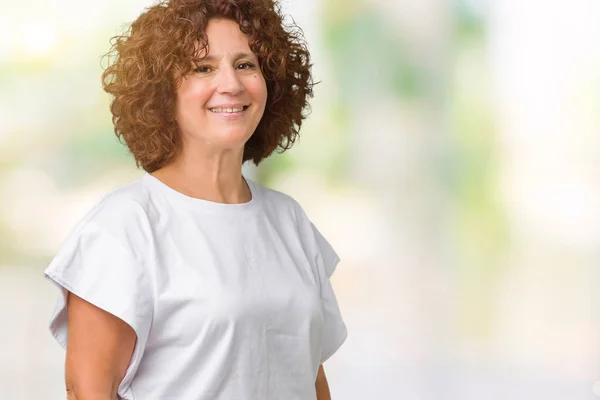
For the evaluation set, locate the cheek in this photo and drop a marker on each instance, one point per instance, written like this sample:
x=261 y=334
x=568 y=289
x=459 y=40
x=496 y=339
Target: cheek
x=258 y=87
x=193 y=94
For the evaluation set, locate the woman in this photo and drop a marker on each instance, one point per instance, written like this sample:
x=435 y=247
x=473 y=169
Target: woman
x=194 y=282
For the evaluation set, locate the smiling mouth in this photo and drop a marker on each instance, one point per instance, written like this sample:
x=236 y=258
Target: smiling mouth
x=228 y=110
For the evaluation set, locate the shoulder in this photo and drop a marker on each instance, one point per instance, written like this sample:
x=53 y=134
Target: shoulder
x=121 y=206
x=311 y=239
x=286 y=210
x=123 y=214
x=275 y=201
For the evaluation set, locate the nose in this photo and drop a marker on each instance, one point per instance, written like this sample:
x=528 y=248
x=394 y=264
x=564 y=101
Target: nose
x=229 y=82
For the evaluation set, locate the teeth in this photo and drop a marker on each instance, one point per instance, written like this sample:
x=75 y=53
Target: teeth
x=227 y=110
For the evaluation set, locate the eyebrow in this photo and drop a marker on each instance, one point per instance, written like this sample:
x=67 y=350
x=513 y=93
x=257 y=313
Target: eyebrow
x=236 y=56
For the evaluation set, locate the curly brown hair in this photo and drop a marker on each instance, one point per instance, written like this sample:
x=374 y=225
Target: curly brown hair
x=148 y=62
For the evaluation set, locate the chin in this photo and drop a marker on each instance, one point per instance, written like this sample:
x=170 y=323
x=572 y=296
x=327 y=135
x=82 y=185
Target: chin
x=236 y=138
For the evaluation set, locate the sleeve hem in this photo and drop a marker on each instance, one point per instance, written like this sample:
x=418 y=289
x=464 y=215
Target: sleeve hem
x=337 y=345
x=105 y=307
x=329 y=270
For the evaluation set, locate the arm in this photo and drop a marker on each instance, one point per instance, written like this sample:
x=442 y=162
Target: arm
x=99 y=349
x=321 y=385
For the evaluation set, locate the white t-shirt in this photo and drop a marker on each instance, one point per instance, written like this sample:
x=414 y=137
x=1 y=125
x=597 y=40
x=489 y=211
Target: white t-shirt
x=228 y=301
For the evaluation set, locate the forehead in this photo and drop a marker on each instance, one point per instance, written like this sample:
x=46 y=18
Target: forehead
x=224 y=37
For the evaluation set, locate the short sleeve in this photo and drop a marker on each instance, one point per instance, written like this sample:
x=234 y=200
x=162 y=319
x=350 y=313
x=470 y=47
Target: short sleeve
x=334 y=329
x=97 y=267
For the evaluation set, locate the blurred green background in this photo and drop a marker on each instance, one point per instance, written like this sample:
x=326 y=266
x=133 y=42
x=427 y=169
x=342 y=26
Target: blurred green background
x=452 y=157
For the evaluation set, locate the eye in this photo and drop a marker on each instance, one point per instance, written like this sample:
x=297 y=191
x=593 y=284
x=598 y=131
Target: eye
x=203 y=69
x=246 y=65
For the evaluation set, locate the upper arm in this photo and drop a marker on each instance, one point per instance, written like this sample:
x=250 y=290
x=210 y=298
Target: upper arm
x=321 y=385
x=99 y=350
x=105 y=309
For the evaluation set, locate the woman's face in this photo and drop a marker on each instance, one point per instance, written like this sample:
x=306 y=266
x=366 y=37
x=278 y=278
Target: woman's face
x=220 y=104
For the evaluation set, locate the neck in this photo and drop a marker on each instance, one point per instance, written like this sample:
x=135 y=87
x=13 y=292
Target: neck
x=218 y=179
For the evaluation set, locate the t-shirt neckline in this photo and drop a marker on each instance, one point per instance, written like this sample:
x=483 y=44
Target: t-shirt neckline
x=205 y=205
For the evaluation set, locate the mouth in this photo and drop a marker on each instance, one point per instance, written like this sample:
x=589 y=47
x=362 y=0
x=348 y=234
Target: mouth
x=228 y=110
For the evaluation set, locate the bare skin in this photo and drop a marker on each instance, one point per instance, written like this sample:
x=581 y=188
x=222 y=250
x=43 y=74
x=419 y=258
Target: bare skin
x=209 y=165
x=99 y=349
x=321 y=385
